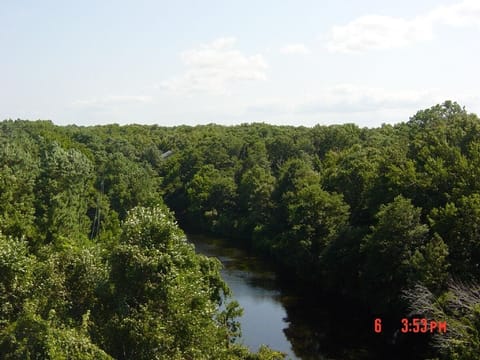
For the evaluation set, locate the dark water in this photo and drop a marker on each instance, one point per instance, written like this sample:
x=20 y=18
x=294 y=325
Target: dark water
x=254 y=286
x=283 y=321
x=303 y=328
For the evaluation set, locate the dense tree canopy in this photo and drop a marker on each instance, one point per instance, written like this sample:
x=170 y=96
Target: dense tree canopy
x=92 y=261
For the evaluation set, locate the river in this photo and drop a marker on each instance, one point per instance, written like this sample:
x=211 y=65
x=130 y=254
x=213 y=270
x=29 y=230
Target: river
x=296 y=325
x=254 y=286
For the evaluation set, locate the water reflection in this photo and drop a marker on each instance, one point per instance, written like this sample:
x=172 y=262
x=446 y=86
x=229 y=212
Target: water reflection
x=301 y=328
x=254 y=287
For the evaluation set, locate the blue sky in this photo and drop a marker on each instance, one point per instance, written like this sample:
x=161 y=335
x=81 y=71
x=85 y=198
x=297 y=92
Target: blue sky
x=230 y=62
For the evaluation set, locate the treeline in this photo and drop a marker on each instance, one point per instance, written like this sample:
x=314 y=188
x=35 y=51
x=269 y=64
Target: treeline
x=366 y=213
x=92 y=263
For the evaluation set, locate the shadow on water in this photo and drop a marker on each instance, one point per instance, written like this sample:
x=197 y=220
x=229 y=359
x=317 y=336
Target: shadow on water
x=301 y=326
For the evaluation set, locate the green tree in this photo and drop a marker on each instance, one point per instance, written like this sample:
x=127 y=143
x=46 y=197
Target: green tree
x=18 y=173
x=163 y=301
x=430 y=264
x=63 y=193
x=128 y=183
x=255 y=199
x=388 y=251
x=458 y=225
x=32 y=337
x=306 y=218
x=315 y=219
x=353 y=173
x=213 y=195
x=16 y=278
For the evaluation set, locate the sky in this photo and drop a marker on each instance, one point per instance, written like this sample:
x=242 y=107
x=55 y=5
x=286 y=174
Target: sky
x=230 y=62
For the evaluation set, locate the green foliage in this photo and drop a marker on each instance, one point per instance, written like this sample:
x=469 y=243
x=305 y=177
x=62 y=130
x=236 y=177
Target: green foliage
x=164 y=295
x=62 y=191
x=360 y=212
x=353 y=173
x=128 y=184
x=18 y=173
x=212 y=195
x=228 y=319
x=389 y=249
x=459 y=307
x=255 y=204
x=16 y=277
x=430 y=265
x=70 y=280
x=335 y=138
x=31 y=337
x=459 y=224
x=264 y=353
x=315 y=219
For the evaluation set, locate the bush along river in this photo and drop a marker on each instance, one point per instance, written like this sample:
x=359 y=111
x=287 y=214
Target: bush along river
x=302 y=327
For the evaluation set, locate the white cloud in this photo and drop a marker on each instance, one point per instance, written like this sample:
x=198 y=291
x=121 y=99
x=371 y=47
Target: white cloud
x=271 y=106
x=382 y=32
x=348 y=98
x=295 y=49
x=463 y=14
x=378 y=32
x=107 y=102
x=364 y=105
x=354 y=98
x=213 y=67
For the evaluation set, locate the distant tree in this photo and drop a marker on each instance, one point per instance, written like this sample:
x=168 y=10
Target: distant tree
x=353 y=173
x=129 y=184
x=458 y=225
x=213 y=195
x=19 y=170
x=63 y=191
x=255 y=198
x=388 y=251
x=429 y=264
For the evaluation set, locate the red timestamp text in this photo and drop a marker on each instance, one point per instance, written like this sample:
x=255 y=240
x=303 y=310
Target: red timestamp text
x=423 y=325
x=415 y=325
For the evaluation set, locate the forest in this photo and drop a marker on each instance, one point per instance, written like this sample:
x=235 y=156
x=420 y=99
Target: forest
x=94 y=262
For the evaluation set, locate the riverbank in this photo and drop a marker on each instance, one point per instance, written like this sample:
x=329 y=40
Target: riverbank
x=304 y=325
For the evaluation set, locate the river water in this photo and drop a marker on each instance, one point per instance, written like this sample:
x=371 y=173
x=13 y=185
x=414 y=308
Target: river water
x=302 y=327
x=285 y=322
x=254 y=286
